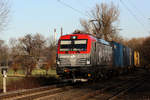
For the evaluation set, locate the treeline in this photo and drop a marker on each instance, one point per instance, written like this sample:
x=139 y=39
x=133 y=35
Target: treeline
x=103 y=23
x=28 y=52
x=143 y=46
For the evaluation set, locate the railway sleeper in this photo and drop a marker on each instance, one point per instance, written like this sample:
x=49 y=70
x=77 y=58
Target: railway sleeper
x=44 y=93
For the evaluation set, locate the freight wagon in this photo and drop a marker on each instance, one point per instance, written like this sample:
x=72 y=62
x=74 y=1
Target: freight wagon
x=83 y=56
x=136 y=59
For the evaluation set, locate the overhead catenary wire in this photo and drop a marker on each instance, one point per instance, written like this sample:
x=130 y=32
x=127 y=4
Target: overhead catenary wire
x=76 y=10
x=130 y=11
x=87 y=15
x=137 y=9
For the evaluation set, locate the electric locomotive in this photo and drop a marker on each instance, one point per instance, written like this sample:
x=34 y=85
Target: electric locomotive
x=82 y=56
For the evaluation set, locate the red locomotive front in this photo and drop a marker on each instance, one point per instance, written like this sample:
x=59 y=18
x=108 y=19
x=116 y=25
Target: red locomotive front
x=74 y=55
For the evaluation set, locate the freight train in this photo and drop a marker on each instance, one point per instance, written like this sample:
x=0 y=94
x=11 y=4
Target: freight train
x=83 y=56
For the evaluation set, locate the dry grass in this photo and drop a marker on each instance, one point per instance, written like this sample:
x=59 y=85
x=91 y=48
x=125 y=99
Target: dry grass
x=30 y=82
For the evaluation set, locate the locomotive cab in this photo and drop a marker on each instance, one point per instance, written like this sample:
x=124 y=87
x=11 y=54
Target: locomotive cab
x=74 y=56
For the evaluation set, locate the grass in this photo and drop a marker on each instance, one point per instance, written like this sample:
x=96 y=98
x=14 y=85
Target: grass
x=11 y=72
x=9 y=80
x=18 y=80
x=43 y=72
x=35 y=72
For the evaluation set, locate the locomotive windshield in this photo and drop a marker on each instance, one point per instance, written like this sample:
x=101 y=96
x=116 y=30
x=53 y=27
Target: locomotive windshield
x=73 y=45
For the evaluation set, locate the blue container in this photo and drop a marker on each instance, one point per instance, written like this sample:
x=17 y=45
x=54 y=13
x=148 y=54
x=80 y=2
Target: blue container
x=125 y=63
x=117 y=54
x=132 y=57
x=128 y=56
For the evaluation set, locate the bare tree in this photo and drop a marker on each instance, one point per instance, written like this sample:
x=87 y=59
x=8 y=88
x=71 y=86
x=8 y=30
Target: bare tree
x=50 y=53
x=14 y=47
x=4 y=52
x=14 y=55
x=31 y=51
x=39 y=45
x=4 y=13
x=31 y=47
x=102 y=21
x=145 y=48
x=135 y=43
x=15 y=65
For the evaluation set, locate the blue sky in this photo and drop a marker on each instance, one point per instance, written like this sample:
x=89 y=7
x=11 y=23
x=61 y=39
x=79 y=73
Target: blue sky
x=42 y=16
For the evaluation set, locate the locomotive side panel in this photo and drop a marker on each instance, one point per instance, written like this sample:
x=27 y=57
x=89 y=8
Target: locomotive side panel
x=93 y=53
x=101 y=55
x=104 y=55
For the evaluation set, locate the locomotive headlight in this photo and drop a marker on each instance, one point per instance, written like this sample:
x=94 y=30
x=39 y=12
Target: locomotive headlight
x=58 y=62
x=88 y=62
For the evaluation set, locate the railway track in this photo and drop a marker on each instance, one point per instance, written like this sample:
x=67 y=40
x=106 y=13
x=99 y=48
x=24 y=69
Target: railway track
x=136 y=83
x=30 y=94
x=111 y=89
x=86 y=93
x=100 y=92
x=121 y=93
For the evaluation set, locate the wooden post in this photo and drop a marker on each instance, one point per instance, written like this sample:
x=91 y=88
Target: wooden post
x=4 y=81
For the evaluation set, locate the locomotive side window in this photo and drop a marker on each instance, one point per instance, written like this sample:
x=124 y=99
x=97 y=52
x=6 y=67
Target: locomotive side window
x=73 y=45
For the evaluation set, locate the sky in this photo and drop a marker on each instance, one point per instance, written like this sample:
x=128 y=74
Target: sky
x=42 y=16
